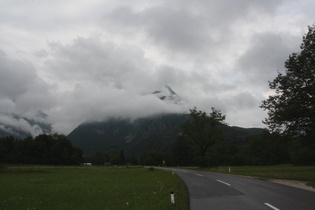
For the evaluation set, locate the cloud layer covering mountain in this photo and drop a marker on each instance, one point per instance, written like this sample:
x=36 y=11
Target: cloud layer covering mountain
x=82 y=60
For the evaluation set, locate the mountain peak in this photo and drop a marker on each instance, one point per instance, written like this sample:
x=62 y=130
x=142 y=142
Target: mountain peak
x=170 y=89
x=167 y=94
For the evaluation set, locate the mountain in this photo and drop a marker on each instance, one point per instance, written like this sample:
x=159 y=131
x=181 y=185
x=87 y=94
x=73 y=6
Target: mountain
x=167 y=94
x=152 y=133
x=156 y=133
x=19 y=126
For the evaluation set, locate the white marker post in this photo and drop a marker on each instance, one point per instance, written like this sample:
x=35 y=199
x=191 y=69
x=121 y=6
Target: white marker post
x=172 y=198
x=229 y=169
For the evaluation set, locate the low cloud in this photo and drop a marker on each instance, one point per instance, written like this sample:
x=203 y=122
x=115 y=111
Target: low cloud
x=21 y=89
x=14 y=124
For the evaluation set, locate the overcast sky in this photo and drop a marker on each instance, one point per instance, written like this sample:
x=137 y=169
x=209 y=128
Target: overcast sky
x=85 y=60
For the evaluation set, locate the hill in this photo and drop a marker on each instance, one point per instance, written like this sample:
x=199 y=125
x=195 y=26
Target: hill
x=20 y=127
x=156 y=133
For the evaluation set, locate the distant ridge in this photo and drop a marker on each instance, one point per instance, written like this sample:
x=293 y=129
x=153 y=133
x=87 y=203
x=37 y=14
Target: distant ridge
x=19 y=126
x=156 y=133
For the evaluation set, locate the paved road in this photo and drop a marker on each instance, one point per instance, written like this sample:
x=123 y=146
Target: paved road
x=209 y=190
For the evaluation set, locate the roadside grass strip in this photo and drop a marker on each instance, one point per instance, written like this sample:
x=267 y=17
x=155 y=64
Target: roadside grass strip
x=90 y=188
x=300 y=173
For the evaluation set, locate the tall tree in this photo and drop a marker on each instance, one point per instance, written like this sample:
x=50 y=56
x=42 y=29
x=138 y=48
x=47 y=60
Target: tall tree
x=114 y=159
x=203 y=130
x=183 y=151
x=122 y=159
x=291 y=109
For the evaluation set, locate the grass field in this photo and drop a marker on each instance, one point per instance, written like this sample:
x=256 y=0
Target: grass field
x=301 y=173
x=29 y=187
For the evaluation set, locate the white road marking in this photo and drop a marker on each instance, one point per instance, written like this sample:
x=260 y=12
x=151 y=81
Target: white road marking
x=271 y=206
x=199 y=174
x=224 y=182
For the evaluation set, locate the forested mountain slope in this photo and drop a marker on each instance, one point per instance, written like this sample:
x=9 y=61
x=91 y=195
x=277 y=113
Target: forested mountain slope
x=156 y=133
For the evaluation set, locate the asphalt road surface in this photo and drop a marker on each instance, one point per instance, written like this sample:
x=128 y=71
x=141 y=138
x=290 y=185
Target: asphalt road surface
x=209 y=190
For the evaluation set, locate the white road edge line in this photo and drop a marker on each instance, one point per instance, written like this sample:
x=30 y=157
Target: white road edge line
x=199 y=174
x=224 y=182
x=271 y=206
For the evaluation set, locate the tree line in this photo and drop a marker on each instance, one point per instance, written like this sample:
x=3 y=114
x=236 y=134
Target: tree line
x=265 y=149
x=117 y=157
x=52 y=149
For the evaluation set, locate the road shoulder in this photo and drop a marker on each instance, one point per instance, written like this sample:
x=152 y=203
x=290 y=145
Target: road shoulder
x=293 y=183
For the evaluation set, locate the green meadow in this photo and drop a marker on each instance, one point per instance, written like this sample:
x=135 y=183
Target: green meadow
x=39 y=187
x=289 y=172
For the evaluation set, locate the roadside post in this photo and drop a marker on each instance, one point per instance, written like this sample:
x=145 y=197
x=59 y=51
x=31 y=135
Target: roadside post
x=172 y=198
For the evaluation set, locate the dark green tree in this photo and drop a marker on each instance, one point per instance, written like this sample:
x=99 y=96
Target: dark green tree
x=44 y=149
x=291 y=109
x=99 y=158
x=7 y=149
x=203 y=130
x=266 y=149
x=183 y=151
x=155 y=158
x=114 y=159
x=25 y=151
x=77 y=156
x=122 y=159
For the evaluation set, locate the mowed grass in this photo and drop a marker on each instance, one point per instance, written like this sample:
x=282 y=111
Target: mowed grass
x=301 y=173
x=90 y=188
